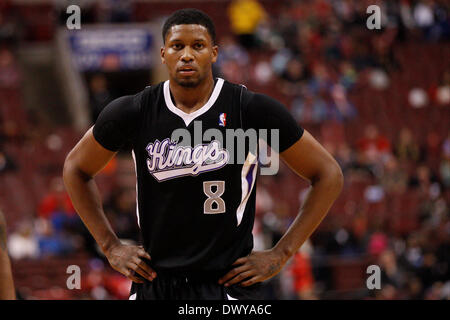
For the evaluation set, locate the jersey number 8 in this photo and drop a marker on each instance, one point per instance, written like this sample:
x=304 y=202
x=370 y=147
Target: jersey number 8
x=214 y=203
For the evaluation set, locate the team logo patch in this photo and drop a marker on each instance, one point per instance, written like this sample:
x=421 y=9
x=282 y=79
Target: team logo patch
x=223 y=119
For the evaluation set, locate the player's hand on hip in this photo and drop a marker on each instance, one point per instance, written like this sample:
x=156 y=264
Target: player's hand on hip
x=256 y=267
x=128 y=260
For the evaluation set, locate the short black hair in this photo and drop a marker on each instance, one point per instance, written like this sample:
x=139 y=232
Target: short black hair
x=189 y=16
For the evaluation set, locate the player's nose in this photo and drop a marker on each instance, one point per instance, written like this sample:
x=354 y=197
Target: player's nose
x=187 y=54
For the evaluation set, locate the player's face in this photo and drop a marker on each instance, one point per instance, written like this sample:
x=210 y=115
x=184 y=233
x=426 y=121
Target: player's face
x=189 y=54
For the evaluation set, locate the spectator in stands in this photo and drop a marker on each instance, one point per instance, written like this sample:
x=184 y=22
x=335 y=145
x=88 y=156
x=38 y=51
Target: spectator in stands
x=374 y=145
x=9 y=73
x=10 y=28
x=394 y=179
x=445 y=162
x=293 y=76
x=320 y=81
x=391 y=273
x=53 y=242
x=424 y=16
x=231 y=50
x=114 y=11
x=423 y=179
x=93 y=283
x=345 y=156
x=429 y=272
x=302 y=274
x=309 y=109
x=233 y=61
x=7 y=164
x=406 y=149
x=442 y=90
x=56 y=200
x=100 y=95
x=60 y=226
x=23 y=242
x=245 y=16
x=342 y=108
x=233 y=72
x=433 y=148
x=348 y=75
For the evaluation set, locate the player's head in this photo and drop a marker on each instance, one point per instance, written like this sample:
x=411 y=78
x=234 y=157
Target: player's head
x=189 y=49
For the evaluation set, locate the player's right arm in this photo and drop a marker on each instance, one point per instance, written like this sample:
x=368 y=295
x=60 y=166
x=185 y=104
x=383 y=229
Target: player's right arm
x=83 y=162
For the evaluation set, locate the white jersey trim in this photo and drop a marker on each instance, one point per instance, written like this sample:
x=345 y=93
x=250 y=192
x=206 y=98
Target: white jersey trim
x=251 y=163
x=137 y=195
x=230 y=297
x=188 y=117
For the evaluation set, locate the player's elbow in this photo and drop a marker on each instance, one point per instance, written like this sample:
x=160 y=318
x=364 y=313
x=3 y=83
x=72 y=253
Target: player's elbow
x=335 y=177
x=331 y=176
x=70 y=169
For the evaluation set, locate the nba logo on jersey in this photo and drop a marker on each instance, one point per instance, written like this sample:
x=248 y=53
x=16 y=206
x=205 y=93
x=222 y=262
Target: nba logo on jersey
x=223 y=119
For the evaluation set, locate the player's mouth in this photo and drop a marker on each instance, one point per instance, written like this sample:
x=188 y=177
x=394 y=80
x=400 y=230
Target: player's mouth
x=186 y=71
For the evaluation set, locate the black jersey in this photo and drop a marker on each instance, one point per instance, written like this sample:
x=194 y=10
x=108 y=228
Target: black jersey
x=195 y=201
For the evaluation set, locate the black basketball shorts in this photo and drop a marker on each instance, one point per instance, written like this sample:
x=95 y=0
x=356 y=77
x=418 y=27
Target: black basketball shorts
x=181 y=287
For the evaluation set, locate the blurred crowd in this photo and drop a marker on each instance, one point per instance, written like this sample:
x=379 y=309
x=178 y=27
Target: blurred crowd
x=320 y=54
x=314 y=56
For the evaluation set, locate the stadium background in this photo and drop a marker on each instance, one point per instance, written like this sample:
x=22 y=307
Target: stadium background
x=378 y=100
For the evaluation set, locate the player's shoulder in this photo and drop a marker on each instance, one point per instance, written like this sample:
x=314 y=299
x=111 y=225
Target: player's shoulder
x=245 y=95
x=230 y=84
x=148 y=93
x=151 y=89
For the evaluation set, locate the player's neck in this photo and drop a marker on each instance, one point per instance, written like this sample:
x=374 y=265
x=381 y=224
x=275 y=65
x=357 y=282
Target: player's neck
x=189 y=99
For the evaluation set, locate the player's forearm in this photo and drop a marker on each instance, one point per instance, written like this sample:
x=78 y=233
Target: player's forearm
x=86 y=200
x=7 y=291
x=318 y=202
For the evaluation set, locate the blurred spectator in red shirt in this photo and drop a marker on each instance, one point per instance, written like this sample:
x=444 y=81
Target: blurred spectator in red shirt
x=378 y=243
x=373 y=145
x=301 y=271
x=56 y=200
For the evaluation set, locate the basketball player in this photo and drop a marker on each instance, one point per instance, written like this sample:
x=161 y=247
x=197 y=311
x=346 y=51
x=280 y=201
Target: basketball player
x=7 y=291
x=196 y=215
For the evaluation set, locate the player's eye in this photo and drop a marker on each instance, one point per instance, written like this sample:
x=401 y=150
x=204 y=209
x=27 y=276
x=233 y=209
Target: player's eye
x=176 y=46
x=198 y=46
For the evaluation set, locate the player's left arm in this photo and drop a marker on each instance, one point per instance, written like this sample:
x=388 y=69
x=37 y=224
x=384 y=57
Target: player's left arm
x=308 y=159
x=7 y=291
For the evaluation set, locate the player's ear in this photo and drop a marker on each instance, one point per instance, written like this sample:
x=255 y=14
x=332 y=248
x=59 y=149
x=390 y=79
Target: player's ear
x=215 y=52
x=162 y=55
